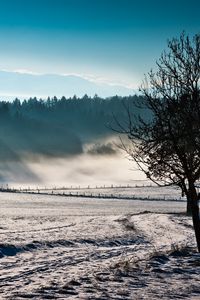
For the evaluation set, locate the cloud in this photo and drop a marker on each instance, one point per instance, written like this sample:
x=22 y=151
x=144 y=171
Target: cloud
x=22 y=82
x=25 y=71
x=102 y=149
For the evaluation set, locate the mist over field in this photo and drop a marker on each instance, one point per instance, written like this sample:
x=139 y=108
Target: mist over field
x=64 y=141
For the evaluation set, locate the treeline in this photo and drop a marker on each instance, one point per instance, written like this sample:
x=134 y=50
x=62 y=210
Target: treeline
x=57 y=126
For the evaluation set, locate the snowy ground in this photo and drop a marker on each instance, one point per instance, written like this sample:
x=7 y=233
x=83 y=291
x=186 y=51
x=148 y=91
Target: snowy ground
x=55 y=247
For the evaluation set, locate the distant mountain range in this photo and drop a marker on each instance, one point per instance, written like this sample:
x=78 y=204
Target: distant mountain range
x=25 y=85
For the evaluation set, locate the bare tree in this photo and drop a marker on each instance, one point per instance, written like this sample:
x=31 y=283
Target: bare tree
x=166 y=146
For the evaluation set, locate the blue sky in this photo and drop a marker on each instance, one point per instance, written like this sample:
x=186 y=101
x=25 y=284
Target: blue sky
x=115 y=41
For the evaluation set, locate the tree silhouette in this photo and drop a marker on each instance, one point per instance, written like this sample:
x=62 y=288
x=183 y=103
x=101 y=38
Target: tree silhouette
x=166 y=146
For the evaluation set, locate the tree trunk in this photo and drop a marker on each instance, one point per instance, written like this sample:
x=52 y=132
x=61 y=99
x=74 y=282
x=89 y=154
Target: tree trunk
x=195 y=212
x=189 y=208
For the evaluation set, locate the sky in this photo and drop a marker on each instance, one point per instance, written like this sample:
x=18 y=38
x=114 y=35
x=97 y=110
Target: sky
x=112 y=41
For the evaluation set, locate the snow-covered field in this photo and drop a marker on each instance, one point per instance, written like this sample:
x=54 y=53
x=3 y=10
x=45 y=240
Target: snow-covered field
x=57 y=247
x=135 y=191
